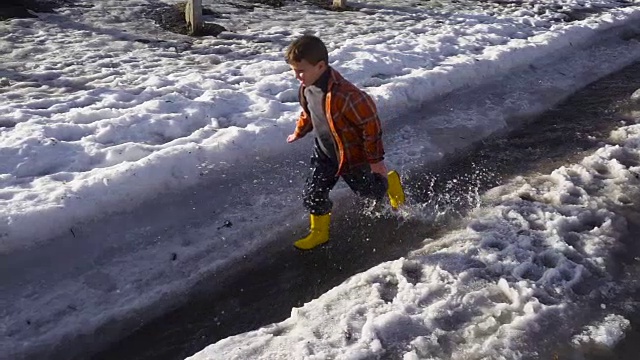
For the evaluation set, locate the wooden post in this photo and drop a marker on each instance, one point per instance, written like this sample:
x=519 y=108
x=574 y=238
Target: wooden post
x=340 y=4
x=193 y=16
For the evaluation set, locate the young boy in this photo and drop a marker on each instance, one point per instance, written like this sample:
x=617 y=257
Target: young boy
x=348 y=138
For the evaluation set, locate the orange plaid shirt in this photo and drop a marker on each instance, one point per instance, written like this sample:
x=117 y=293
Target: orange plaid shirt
x=353 y=120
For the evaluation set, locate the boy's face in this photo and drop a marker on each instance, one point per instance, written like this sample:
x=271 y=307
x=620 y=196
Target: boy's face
x=307 y=73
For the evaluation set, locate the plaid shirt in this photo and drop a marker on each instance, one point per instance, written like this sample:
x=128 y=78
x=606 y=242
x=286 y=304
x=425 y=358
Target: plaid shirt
x=353 y=120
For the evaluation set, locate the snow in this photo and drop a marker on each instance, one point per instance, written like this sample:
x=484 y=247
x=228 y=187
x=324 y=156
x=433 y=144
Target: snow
x=607 y=334
x=96 y=120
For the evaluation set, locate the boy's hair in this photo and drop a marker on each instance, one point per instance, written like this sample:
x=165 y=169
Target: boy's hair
x=307 y=47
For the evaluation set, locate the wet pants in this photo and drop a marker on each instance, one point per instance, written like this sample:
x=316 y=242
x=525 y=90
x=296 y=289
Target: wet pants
x=323 y=178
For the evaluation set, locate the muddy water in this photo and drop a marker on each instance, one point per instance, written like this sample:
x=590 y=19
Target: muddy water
x=279 y=278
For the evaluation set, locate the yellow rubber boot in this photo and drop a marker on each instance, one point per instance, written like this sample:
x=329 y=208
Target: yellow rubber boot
x=318 y=235
x=395 y=192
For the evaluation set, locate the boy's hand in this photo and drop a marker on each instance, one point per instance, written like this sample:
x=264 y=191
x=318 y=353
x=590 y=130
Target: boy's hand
x=379 y=168
x=293 y=137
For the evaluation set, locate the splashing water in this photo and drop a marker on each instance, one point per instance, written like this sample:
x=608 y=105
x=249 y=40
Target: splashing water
x=438 y=196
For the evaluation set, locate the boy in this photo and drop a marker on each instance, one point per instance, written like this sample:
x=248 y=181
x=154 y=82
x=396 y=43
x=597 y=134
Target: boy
x=348 y=138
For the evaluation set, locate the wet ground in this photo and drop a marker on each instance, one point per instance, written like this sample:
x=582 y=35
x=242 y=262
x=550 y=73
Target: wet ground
x=277 y=279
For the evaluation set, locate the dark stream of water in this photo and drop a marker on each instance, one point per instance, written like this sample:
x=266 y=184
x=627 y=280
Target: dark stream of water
x=279 y=278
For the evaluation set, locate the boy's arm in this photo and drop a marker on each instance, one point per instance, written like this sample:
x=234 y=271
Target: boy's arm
x=361 y=111
x=304 y=124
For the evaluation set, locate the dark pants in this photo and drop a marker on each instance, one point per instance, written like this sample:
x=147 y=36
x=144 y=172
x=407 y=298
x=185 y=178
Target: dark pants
x=323 y=178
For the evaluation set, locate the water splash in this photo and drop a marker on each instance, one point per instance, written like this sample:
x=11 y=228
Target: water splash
x=439 y=195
